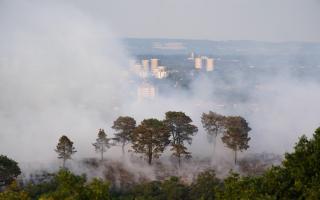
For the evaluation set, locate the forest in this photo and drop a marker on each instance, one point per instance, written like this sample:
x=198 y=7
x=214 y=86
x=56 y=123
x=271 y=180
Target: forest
x=297 y=177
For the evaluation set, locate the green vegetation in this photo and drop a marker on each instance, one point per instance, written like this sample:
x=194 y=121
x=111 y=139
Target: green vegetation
x=150 y=138
x=9 y=170
x=181 y=130
x=236 y=134
x=297 y=178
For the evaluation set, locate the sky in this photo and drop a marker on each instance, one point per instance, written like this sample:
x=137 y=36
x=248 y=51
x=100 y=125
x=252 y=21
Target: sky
x=263 y=20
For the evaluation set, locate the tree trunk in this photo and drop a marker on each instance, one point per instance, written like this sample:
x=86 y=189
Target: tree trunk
x=235 y=157
x=101 y=155
x=149 y=154
x=179 y=161
x=214 y=146
x=64 y=163
x=150 y=159
x=123 y=151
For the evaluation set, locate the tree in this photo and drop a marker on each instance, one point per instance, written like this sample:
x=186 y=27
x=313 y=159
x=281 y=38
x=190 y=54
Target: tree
x=124 y=127
x=181 y=130
x=65 y=149
x=236 y=134
x=9 y=170
x=175 y=190
x=98 y=190
x=14 y=192
x=214 y=124
x=301 y=170
x=68 y=186
x=205 y=186
x=236 y=187
x=102 y=143
x=150 y=138
x=148 y=191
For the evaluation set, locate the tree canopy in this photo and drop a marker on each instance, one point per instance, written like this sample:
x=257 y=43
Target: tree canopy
x=236 y=135
x=181 y=130
x=214 y=124
x=65 y=149
x=9 y=170
x=102 y=143
x=150 y=138
x=124 y=127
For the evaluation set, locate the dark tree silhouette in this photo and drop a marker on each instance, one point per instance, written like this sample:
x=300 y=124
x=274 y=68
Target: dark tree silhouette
x=181 y=130
x=236 y=134
x=65 y=149
x=150 y=138
x=9 y=170
x=214 y=124
x=124 y=127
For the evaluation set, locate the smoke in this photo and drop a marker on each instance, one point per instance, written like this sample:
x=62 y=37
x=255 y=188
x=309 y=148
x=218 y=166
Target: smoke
x=64 y=72
x=61 y=72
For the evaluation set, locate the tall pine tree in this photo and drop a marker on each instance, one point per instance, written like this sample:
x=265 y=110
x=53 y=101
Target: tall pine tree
x=150 y=138
x=65 y=149
x=124 y=127
x=236 y=135
x=181 y=130
x=214 y=124
x=102 y=143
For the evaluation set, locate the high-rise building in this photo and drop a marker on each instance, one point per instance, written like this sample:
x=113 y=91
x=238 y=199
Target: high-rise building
x=145 y=65
x=146 y=91
x=198 y=63
x=161 y=72
x=210 y=64
x=154 y=65
x=191 y=56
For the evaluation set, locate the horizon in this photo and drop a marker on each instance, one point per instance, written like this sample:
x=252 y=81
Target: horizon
x=212 y=40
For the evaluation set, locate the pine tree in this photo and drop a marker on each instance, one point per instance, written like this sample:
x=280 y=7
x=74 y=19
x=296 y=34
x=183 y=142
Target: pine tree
x=214 y=124
x=181 y=130
x=102 y=143
x=9 y=170
x=124 y=127
x=150 y=138
x=236 y=135
x=65 y=149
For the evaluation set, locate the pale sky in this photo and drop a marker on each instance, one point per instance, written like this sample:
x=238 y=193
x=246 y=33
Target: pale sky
x=267 y=20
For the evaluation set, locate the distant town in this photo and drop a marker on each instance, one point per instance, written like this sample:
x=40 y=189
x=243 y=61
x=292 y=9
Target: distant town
x=163 y=65
x=152 y=68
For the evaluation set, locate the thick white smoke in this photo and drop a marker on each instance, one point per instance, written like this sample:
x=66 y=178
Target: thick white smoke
x=61 y=72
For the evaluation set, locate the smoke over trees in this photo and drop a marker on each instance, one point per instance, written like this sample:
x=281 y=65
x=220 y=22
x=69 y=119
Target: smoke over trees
x=151 y=137
x=234 y=130
x=296 y=178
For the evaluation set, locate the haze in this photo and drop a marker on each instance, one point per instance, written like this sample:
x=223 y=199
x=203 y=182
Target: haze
x=63 y=71
x=264 y=20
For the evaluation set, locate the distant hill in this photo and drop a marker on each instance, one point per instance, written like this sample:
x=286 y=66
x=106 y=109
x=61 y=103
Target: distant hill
x=156 y=46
